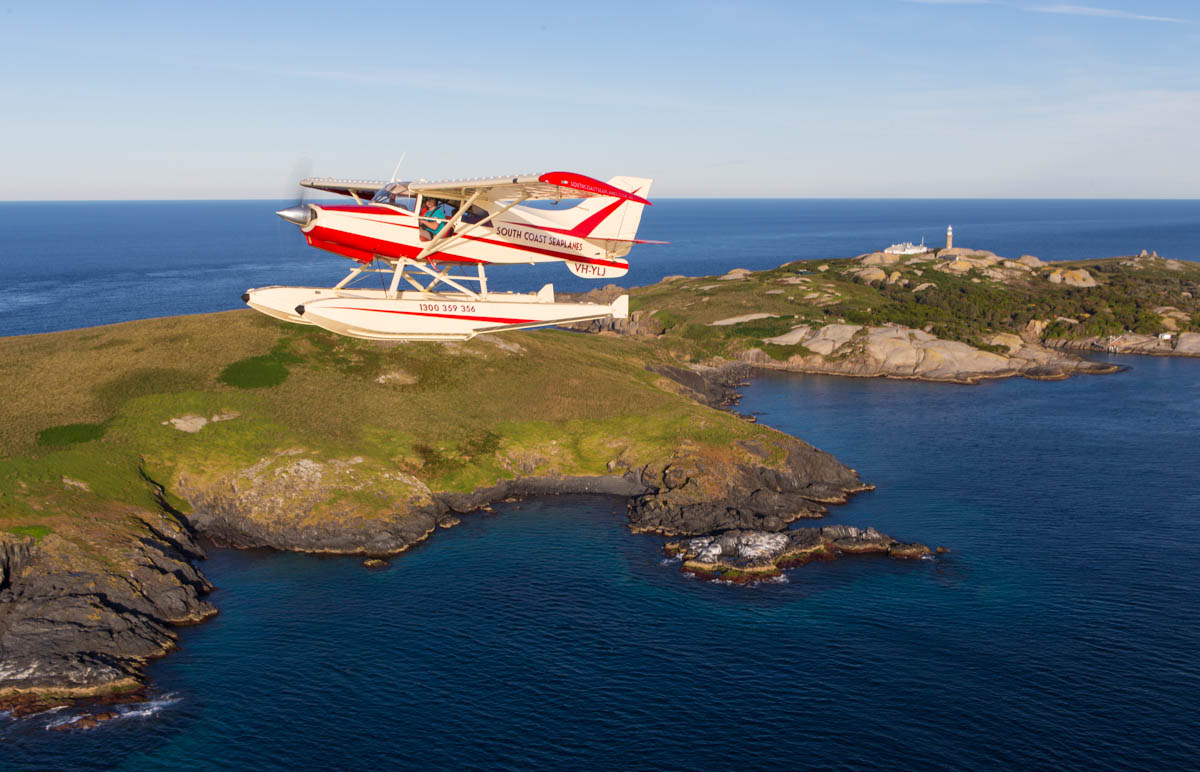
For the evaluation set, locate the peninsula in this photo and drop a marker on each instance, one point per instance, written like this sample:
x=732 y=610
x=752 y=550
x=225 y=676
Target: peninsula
x=957 y=315
x=123 y=444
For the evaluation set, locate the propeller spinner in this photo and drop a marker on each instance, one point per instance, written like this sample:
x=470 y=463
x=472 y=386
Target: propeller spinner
x=300 y=214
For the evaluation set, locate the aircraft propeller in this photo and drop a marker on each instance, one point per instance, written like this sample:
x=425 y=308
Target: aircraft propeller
x=300 y=213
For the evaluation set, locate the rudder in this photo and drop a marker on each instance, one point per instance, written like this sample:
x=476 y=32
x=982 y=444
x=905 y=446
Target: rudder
x=604 y=218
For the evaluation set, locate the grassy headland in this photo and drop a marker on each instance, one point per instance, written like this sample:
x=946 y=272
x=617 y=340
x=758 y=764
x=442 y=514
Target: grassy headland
x=94 y=407
x=966 y=296
x=118 y=440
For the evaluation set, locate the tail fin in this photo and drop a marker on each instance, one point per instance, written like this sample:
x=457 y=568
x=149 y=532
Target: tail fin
x=603 y=218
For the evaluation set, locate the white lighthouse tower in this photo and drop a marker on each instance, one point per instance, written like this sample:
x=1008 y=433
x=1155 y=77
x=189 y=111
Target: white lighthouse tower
x=949 y=237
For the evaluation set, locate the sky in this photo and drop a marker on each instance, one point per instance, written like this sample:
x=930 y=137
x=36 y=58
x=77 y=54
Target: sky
x=858 y=98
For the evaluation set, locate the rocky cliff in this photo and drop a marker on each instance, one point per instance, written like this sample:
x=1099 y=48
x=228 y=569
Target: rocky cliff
x=77 y=622
x=78 y=617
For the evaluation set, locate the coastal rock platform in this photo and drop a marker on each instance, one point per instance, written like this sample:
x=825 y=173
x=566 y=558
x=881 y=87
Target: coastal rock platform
x=744 y=556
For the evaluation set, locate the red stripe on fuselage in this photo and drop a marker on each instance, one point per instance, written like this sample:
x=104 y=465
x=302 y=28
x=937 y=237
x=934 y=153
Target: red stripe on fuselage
x=338 y=249
x=497 y=319
x=383 y=210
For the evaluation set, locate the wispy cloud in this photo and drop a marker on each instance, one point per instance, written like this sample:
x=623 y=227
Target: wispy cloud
x=1108 y=13
x=1065 y=9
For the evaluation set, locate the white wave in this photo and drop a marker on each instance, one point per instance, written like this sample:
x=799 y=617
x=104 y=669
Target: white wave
x=148 y=708
x=59 y=721
x=670 y=561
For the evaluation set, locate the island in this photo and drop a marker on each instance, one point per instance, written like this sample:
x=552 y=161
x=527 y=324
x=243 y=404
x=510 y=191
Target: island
x=125 y=447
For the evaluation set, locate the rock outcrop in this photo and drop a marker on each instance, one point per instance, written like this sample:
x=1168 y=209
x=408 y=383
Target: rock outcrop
x=1072 y=278
x=712 y=386
x=753 y=555
x=1188 y=343
x=1183 y=344
x=694 y=493
x=295 y=501
x=894 y=351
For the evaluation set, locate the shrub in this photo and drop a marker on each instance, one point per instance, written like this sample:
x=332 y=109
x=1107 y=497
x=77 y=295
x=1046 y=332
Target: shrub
x=254 y=373
x=69 y=434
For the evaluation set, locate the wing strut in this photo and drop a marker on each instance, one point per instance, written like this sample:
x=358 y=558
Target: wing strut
x=436 y=244
x=471 y=228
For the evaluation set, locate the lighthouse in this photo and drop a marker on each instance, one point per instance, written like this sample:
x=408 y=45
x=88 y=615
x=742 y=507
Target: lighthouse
x=949 y=237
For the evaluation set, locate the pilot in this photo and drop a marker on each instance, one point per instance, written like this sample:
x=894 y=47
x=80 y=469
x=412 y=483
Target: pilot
x=434 y=209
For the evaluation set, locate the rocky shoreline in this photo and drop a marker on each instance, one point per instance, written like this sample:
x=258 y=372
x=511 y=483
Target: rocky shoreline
x=956 y=315
x=1186 y=344
x=95 y=576
x=74 y=631
x=899 y=352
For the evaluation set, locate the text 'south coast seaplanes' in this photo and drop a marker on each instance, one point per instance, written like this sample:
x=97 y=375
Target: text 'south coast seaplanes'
x=431 y=242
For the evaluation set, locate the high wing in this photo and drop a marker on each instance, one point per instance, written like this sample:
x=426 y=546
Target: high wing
x=358 y=188
x=551 y=185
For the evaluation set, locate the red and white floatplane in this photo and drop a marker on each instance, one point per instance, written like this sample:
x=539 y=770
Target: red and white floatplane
x=431 y=242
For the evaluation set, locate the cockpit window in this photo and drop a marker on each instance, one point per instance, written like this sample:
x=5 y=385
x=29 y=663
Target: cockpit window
x=395 y=194
x=474 y=215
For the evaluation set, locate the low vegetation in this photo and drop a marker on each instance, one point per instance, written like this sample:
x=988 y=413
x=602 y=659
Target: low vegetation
x=1132 y=294
x=88 y=439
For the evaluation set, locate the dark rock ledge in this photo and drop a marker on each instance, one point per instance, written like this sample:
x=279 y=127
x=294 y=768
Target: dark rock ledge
x=72 y=628
x=750 y=556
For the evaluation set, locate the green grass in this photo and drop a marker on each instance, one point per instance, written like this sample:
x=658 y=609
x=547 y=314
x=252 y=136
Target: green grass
x=37 y=532
x=783 y=353
x=86 y=442
x=143 y=381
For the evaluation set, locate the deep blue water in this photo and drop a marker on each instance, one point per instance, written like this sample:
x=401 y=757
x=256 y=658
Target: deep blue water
x=1061 y=632
x=66 y=265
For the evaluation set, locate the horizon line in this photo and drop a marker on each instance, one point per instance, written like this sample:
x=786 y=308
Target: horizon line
x=662 y=198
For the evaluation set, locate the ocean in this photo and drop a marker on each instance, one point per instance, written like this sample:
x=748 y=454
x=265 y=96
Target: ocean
x=67 y=265
x=1061 y=631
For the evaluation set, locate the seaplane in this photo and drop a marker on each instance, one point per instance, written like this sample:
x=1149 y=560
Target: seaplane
x=431 y=242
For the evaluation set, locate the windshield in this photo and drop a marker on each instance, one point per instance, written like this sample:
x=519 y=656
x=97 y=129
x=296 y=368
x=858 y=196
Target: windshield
x=394 y=193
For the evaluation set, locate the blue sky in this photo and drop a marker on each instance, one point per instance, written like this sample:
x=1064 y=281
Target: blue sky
x=859 y=98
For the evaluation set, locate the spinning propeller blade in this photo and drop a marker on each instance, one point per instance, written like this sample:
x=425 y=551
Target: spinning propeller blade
x=300 y=213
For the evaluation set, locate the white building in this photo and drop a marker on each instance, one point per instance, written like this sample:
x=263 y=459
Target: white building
x=907 y=248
